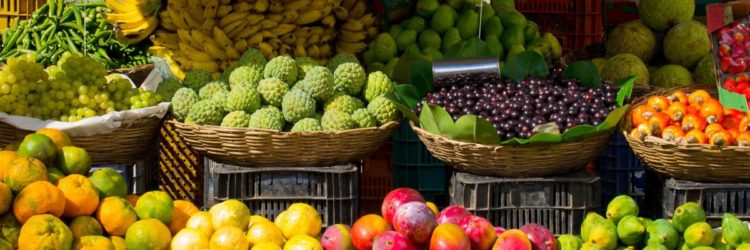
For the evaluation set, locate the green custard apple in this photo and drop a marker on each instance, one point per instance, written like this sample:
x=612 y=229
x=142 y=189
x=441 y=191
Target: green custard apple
x=168 y=87
x=182 y=101
x=319 y=83
x=364 y=119
x=349 y=78
x=206 y=112
x=378 y=84
x=343 y=102
x=245 y=75
x=383 y=109
x=338 y=59
x=272 y=91
x=623 y=66
x=254 y=58
x=296 y=105
x=304 y=64
x=236 y=119
x=307 y=125
x=335 y=120
x=281 y=67
x=671 y=75
x=268 y=117
x=196 y=79
x=243 y=98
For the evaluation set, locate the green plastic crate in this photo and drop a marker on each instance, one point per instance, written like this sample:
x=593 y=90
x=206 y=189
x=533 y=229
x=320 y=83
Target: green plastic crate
x=415 y=167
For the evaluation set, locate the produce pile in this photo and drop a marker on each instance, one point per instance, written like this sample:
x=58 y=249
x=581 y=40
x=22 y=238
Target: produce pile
x=733 y=59
x=211 y=35
x=662 y=48
x=287 y=94
x=59 y=26
x=439 y=30
x=694 y=118
x=74 y=88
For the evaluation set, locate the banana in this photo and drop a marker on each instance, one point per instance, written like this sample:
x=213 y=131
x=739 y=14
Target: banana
x=261 y=6
x=221 y=38
x=275 y=17
x=134 y=25
x=254 y=19
x=214 y=50
x=231 y=18
x=352 y=37
x=134 y=36
x=139 y=28
x=240 y=45
x=348 y=4
x=309 y=16
x=225 y=2
x=195 y=9
x=210 y=8
x=232 y=53
x=185 y=36
x=329 y=21
x=367 y=20
x=234 y=29
x=193 y=53
x=268 y=34
x=313 y=51
x=247 y=32
x=117 y=6
x=224 y=10
x=288 y=38
x=353 y=25
x=275 y=7
x=358 y=10
x=126 y=17
x=285 y=49
x=298 y=5
x=191 y=21
x=299 y=51
x=177 y=19
x=372 y=32
x=325 y=50
x=165 y=37
x=328 y=36
x=266 y=50
x=255 y=39
x=268 y=24
x=210 y=67
x=242 y=6
x=168 y=44
x=207 y=26
x=289 y=16
x=327 y=10
x=351 y=47
x=283 y=29
x=302 y=32
x=314 y=38
x=167 y=24
x=275 y=43
x=198 y=38
x=341 y=13
x=317 y=5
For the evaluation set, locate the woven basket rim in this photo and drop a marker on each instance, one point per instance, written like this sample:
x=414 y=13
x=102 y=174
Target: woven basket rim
x=272 y=132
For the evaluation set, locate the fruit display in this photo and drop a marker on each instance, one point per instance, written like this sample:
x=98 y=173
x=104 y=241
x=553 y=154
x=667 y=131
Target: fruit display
x=287 y=94
x=738 y=84
x=690 y=118
x=60 y=26
x=211 y=35
x=664 y=48
x=439 y=30
x=732 y=57
x=74 y=88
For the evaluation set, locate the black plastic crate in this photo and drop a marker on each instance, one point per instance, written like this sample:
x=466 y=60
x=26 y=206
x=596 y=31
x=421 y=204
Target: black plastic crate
x=621 y=171
x=415 y=167
x=715 y=198
x=560 y=203
x=267 y=191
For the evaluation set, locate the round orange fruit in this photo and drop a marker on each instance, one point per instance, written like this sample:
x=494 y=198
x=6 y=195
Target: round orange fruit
x=93 y=242
x=116 y=215
x=148 y=234
x=5 y=157
x=109 y=182
x=118 y=242
x=38 y=146
x=24 y=170
x=182 y=211
x=6 y=197
x=74 y=160
x=45 y=231
x=59 y=138
x=85 y=225
x=40 y=197
x=156 y=205
x=81 y=197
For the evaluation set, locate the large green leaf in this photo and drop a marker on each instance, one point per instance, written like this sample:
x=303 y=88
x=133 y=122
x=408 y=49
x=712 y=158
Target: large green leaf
x=472 y=128
x=527 y=63
x=474 y=47
x=421 y=77
x=578 y=132
x=545 y=138
x=427 y=120
x=613 y=118
x=586 y=72
x=626 y=90
x=409 y=94
x=444 y=121
x=402 y=106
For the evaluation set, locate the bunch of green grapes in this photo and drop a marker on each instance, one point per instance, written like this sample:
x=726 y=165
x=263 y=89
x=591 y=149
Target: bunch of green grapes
x=20 y=82
x=144 y=98
x=80 y=81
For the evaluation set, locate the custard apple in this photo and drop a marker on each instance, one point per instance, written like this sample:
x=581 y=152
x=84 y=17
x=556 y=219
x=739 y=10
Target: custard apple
x=341 y=58
x=383 y=109
x=245 y=75
x=335 y=120
x=378 y=84
x=254 y=58
x=272 y=91
x=343 y=102
x=319 y=83
x=282 y=67
x=228 y=72
x=243 y=98
x=349 y=78
x=236 y=119
x=307 y=125
x=297 y=104
x=182 y=100
x=268 y=117
x=304 y=64
x=196 y=79
x=206 y=112
x=211 y=88
x=364 y=118
x=167 y=88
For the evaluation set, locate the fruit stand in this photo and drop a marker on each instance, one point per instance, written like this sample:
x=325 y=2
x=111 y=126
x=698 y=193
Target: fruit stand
x=387 y=124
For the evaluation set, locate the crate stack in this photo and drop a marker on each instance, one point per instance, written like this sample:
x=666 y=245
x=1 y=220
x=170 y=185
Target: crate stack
x=415 y=167
x=13 y=10
x=621 y=172
x=577 y=23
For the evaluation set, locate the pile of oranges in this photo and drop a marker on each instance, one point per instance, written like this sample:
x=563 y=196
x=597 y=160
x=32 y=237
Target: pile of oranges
x=694 y=118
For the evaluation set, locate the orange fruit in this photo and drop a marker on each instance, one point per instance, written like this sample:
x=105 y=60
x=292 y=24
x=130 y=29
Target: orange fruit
x=230 y=213
x=45 y=231
x=190 y=239
x=265 y=246
x=109 y=182
x=228 y=238
x=59 y=138
x=303 y=242
x=85 y=225
x=299 y=218
x=38 y=146
x=5 y=157
x=74 y=160
x=132 y=199
x=118 y=242
x=10 y=228
x=24 y=170
x=116 y=215
x=148 y=234
x=201 y=221
x=93 y=242
x=182 y=211
x=40 y=197
x=54 y=174
x=81 y=197
x=265 y=231
x=5 y=198
x=156 y=205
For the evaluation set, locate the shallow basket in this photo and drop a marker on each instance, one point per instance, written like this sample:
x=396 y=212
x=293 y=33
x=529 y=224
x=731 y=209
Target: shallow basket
x=694 y=162
x=127 y=144
x=137 y=73
x=262 y=147
x=529 y=160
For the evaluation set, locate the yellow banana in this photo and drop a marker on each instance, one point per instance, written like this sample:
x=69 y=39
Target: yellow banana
x=358 y=10
x=193 y=53
x=302 y=32
x=275 y=43
x=221 y=38
x=195 y=9
x=185 y=36
x=247 y=32
x=119 y=7
x=224 y=10
x=275 y=7
x=352 y=25
x=177 y=19
x=268 y=34
x=285 y=49
x=255 y=39
x=313 y=51
x=283 y=29
x=309 y=16
x=317 y=5
x=327 y=37
x=134 y=25
x=127 y=17
x=135 y=35
x=268 y=24
x=240 y=45
x=289 y=16
x=288 y=38
x=140 y=28
x=327 y=10
x=167 y=37
x=329 y=21
x=191 y=21
x=348 y=4
x=242 y=6
x=198 y=38
x=275 y=17
x=210 y=67
x=352 y=37
x=351 y=47
x=261 y=6
x=299 y=51
x=372 y=32
x=367 y=20
x=231 y=18
x=297 y=5
x=214 y=50
x=207 y=26
x=225 y=2
x=266 y=50
x=316 y=30
x=210 y=8
x=232 y=53
x=325 y=50
x=341 y=13
x=255 y=18
x=234 y=29
x=167 y=44
x=314 y=38
x=167 y=24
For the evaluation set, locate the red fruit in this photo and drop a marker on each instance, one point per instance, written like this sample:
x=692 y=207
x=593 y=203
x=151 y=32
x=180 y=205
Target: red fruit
x=742 y=86
x=742 y=78
x=392 y=240
x=366 y=228
x=449 y=236
x=730 y=84
x=480 y=231
x=741 y=67
x=724 y=50
x=540 y=237
x=746 y=93
x=452 y=214
x=337 y=237
x=499 y=230
x=416 y=221
x=725 y=63
x=513 y=239
x=396 y=198
x=738 y=37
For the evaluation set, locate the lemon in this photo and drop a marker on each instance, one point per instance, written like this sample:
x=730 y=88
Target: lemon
x=303 y=242
x=202 y=222
x=230 y=213
x=266 y=246
x=299 y=219
x=190 y=238
x=228 y=238
x=264 y=231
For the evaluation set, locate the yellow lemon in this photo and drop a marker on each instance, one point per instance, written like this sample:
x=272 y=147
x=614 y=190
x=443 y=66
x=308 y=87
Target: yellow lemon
x=264 y=231
x=303 y=242
x=230 y=213
x=299 y=219
x=202 y=222
x=266 y=246
x=190 y=239
x=228 y=238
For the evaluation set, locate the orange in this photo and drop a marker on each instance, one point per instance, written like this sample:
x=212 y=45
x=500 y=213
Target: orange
x=148 y=234
x=38 y=146
x=5 y=198
x=299 y=218
x=132 y=199
x=156 y=205
x=118 y=242
x=93 y=242
x=59 y=138
x=10 y=228
x=190 y=239
x=182 y=211
x=228 y=238
x=201 y=221
x=303 y=242
x=230 y=213
x=45 y=231
x=74 y=160
x=116 y=215
x=85 y=225
x=109 y=182
x=24 y=170
x=5 y=157
x=40 y=197
x=265 y=231
x=81 y=197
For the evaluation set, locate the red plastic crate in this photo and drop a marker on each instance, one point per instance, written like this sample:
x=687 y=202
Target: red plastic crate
x=376 y=180
x=576 y=23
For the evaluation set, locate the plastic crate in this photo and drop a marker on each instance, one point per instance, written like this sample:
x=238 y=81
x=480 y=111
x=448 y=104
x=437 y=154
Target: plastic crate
x=23 y=9
x=621 y=171
x=376 y=180
x=576 y=23
x=560 y=203
x=267 y=191
x=415 y=167
x=180 y=169
x=715 y=198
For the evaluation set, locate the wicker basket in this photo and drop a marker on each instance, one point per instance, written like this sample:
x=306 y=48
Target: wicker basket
x=126 y=145
x=138 y=73
x=515 y=161
x=260 y=147
x=694 y=162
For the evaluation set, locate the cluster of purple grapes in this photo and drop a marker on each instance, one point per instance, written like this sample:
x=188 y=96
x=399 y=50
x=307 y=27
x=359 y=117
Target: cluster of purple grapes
x=516 y=109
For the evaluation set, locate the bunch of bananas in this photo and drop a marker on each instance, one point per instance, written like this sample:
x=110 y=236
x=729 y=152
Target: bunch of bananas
x=134 y=20
x=357 y=26
x=212 y=34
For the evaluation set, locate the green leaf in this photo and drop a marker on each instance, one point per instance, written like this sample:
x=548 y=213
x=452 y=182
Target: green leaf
x=545 y=138
x=466 y=127
x=472 y=128
x=408 y=94
x=732 y=100
x=586 y=72
x=402 y=106
x=613 y=119
x=515 y=141
x=527 y=63
x=626 y=89
x=444 y=121
x=578 y=132
x=421 y=77
x=427 y=120
x=474 y=47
